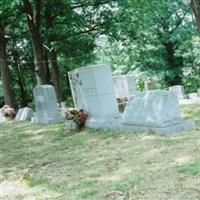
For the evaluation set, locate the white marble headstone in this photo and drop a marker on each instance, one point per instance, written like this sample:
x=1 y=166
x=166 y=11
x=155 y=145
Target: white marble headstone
x=153 y=108
x=2 y=117
x=124 y=86
x=198 y=92
x=178 y=90
x=92 y=90
x=47 y=110
x=24 y=114
x=193 y=96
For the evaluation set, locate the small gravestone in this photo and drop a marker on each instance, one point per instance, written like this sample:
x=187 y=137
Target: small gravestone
x=63 y=109
x=47 y=110
x=24 y=114
x=155 y=110
x=193 y=96
x=2 y=117
x=18 y=115
x=92 y=90
x=124 y=86
x=178 y=90
x=198 y=92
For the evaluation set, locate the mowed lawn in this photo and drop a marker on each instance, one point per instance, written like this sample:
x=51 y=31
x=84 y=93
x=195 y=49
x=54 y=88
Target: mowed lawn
x=41 y=162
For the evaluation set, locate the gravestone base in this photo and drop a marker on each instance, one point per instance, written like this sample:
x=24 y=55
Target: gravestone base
x=46 y=120
x=189 y=101
x=116 y=125
x=167 y=130
x=106 y=124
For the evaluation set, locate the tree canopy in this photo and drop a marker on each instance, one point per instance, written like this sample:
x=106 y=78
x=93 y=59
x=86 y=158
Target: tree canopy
x=42 y=40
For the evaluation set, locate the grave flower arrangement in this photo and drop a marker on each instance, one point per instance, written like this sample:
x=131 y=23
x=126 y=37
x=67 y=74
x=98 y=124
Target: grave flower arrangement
x=122 y=103
x=122 y=100
x=78 y=117
x=8 y=111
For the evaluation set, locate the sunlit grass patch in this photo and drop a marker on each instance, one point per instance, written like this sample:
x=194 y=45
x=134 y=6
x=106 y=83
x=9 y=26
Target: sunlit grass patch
x=193 y=168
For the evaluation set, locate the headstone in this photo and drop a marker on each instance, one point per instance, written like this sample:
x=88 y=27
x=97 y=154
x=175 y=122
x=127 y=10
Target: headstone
x=198 y=92
x=155 y=110
x=47 y=110
x=24 y=114
x=63 y=109
x=92 y=90
x=193 y=96
x=124 y=86
x=178 y=90
x=2 y=117
x=18 y=115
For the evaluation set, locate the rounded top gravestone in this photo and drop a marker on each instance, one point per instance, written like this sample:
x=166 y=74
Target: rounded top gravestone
x=47 y=110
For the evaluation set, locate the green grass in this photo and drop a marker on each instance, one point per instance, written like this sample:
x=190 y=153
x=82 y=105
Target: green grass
x=46 y=162
x=193 y=168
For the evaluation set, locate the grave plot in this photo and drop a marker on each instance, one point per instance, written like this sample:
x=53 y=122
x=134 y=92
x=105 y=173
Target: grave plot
x=150 y=111
x=155 y=111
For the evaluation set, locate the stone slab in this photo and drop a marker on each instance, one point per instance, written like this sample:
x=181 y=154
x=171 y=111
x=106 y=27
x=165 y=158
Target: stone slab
x=189 y=101
x=116 y=125
x=152 y=108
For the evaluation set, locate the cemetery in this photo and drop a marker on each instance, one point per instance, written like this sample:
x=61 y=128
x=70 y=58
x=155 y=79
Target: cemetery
x=95 y=125
x=100 y=100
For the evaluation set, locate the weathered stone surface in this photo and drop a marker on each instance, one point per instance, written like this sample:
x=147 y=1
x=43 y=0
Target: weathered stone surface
x=124 y=86
x=92 y=90
x=178 y=90
x=156 y=111
x=18 y=115
x=152 y=108
x=47 y=110
x=2 y=118
x=24 y=114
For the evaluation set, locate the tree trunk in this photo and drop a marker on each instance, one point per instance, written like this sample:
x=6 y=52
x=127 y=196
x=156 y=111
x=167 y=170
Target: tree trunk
x=174 y=64
x=196 y=10
x=55 y=75
x=48 y=73
x=7 y=90
x=23 y=101
x=39 y=60
x=33 y=20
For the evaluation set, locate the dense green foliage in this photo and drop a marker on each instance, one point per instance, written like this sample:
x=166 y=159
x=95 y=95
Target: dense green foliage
x=152 y=39
x=157 y=42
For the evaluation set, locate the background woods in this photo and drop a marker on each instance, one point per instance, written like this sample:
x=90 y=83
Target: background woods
x=40 y=41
